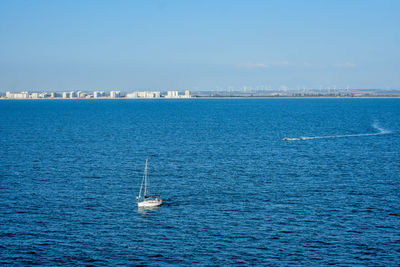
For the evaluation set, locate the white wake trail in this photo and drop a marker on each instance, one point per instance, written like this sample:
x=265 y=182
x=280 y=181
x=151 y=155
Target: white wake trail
x=380 y=130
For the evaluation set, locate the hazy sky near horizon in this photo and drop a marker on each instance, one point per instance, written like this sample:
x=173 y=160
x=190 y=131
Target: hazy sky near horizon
x=199 y=45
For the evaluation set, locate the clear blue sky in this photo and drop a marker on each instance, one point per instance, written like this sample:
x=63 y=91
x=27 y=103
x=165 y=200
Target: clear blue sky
x=199 y=45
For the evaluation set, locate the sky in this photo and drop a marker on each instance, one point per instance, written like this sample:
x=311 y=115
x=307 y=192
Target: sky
x=199 y=45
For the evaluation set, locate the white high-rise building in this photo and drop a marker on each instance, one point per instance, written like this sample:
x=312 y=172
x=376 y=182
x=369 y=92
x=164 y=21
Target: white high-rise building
x=115 y=94
x=97 y=94
x=44 y=95
x=35 y=95
x=144 y=94
x=17 y=95
x=172 y=94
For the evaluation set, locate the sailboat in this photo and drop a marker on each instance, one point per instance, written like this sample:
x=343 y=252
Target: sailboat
x=147 y=200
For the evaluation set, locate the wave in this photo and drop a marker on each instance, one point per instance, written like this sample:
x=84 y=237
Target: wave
x=375 y=125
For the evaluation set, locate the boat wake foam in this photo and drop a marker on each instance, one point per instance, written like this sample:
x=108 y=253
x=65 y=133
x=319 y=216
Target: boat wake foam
x=380 y=130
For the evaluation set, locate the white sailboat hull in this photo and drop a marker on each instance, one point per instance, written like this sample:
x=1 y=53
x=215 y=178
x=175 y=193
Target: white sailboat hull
x=150 y=203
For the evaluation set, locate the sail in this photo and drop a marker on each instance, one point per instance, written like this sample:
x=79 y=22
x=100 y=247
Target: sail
x=144 y=179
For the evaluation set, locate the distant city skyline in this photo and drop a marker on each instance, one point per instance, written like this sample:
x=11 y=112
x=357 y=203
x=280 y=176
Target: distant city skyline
x=199 y=45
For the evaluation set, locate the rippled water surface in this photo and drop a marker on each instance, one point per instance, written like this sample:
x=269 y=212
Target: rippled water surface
x=234 y=191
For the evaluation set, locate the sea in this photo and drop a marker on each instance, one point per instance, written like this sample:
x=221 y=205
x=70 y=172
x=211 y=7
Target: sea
x=244 y=182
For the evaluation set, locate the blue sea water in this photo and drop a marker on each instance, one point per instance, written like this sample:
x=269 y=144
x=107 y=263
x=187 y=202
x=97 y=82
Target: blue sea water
x=235 y=193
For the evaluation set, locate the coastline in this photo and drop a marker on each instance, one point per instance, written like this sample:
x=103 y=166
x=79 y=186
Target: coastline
x=214 y=97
